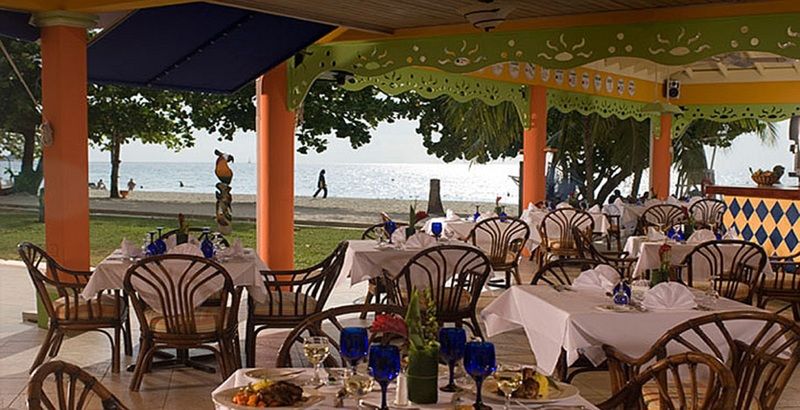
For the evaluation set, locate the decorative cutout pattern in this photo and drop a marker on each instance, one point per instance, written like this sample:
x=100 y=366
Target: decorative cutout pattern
x=431 y=84
x=730 y=113
x=565 y=102
x=669 y=43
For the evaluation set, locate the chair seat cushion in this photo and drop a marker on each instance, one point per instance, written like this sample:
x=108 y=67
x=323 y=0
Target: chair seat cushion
x=88 y=310
x=790 y=281
x=205 y=320
x=650 y=394
x=464 y=299
x=286 y=304
x=742 y=289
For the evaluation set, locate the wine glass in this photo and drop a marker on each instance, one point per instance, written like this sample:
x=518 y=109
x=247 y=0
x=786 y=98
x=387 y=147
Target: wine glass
x=452 y=341
x=316 y=350
x=389 y=226
x=509 y=379
x=712 y=296
x=160 y=244
x=206 y=246
x=436 y=229
x=358 y=386
x=479 y=361
x=151 y=249
x=354 y=345
x=477 y=214
x=384 y=365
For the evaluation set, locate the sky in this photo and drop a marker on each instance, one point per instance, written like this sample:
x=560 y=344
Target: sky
x=399 y=143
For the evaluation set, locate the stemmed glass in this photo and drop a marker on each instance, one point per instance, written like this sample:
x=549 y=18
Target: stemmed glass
x=358 y=386
x=479 y=361
x=161 y=246
x=509 y=379
x=151 y=249
x=712 y=296
x=389 y=227
x=316 y=350
x=436 y=229
x=354 y=345
x=452 y=341
x=477 y=213
x=206 y=246
x=384 y=365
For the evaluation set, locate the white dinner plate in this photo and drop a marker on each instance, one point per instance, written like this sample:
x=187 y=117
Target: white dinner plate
x=273 y=374
x=563 y=392
x=617 y=308
x=225 y=398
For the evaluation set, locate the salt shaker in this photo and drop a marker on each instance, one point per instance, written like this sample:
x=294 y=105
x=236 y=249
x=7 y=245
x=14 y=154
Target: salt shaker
x=401 y=397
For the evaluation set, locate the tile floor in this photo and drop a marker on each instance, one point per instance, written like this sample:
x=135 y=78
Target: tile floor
x=182 y=388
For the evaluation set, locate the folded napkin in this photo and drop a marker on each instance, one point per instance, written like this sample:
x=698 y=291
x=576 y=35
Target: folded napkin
x=654 y=234
x=601 y=277
x=130 y=249
x=701 y=235
x=451 y=216
x=399 y=236
x=562 y=205
x=669 y=296
x=420 y=240
x=186 y=249
x=235 y=250
x=594 y=209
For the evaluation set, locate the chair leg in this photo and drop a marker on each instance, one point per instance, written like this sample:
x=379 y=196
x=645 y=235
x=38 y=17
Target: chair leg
x=48 y=340
x=477 y=327
x=367 y=301
x=517 y=278
x=115 y=349
x=127 y=336
x=224 y=357
x=618 y=235
x=250 y=344
x=796 y=311
x=141 y=364
x=237 y=351
x=55 y=346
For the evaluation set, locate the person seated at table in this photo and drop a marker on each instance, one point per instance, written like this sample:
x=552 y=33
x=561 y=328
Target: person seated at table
x=613 y=197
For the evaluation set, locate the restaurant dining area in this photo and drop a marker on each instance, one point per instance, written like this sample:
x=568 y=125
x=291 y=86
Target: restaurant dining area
x=668 y=300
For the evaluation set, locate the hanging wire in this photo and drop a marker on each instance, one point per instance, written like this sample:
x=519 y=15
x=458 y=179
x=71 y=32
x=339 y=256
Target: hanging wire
x=19 y=76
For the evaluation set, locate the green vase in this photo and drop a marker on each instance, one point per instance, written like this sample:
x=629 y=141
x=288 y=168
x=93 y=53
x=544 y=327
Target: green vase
x=423 y=376
x=659 y=275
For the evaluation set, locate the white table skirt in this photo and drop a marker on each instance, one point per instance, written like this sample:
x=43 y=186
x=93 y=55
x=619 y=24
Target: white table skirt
x=244 y=271
x=570 y=320
x=239 y=379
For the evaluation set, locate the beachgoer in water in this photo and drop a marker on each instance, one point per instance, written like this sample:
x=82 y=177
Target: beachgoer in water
x=322 y=186
x=180 y=183
x=131 y=184
x=101 y=184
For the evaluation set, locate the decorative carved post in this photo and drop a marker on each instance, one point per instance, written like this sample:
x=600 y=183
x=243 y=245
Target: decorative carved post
x=435 y=199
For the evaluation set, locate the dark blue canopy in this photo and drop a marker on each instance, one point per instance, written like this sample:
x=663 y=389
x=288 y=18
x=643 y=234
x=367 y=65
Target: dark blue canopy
x=197 y=47
x=14 y=24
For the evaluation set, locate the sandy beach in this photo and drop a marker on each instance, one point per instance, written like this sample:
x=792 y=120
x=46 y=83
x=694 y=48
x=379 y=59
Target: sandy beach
x=334 y=211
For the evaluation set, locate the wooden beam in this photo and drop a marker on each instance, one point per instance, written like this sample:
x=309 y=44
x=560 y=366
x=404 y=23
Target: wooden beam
x=722 y=69
x=760 y=68
x=689 y=72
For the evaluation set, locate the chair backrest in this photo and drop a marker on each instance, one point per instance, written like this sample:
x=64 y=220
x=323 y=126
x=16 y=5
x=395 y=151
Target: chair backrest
x=762 y=366
x=308 y=288
x=735 y=262
x=675 y=383
x=561 y=271
x=453 y=273
x=327 y=323
x=502 y=238
x=560 y=224
x=663 y=217
x=175 y=285
x=707 y=212
x=585 y=247
x=66 y=283
x=73 y=389
x=198 y=231
x=374 y=231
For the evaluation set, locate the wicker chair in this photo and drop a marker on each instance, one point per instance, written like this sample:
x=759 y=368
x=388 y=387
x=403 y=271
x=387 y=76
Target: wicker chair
x=167 y=292
x=783 y=286
x=619 y=260
x=71 y=312
x=737 y=271
x=614 y=231
x=663 y=217
x=375 y=287
x=673 y=383
x=707 y=214
x=328 y=324
x=74 y=389
x=293 y=296
x=761 y=367
x=505 y=242
x=560 y=272
x=556 y=230
x=455 y=275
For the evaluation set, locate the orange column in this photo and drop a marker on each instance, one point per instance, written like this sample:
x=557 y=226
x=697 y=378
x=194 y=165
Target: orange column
x=64 y=107
x=275 y=199
x=661 y=158
x=534 y=142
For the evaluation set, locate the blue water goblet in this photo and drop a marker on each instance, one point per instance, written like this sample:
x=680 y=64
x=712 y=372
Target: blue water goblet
x=384 y=366
x=160 y=244
x=436 y=229
x=389 y=227
x=452 y=342
x=354 y=345
x=479 y=362
x=151 y=249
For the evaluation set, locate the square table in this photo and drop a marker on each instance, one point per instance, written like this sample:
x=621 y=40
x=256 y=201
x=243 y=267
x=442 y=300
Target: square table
x=570 y=320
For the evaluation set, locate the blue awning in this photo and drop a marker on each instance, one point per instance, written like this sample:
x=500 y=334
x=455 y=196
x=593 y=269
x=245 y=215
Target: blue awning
x=14 y=24
x=197 y=47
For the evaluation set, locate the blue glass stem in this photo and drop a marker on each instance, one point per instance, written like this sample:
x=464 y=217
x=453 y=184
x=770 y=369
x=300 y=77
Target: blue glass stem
x=384 y=386
x=478 y=394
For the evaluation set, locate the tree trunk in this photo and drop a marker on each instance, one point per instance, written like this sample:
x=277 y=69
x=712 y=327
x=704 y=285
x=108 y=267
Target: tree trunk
x=28 y=151
x=635 y=166
x=435 y=199
x=588 y=147
x=114 y=183
x=29 y=179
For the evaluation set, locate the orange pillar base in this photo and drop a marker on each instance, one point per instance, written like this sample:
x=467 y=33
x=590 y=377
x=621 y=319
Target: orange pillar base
x=66 y=169
x=661 y=159
x=275 y=199
x=534 y=142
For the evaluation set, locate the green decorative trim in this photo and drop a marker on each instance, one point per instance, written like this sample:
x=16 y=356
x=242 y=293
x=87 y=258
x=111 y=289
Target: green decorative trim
x=732 y=112
x=669 y=43
x=566 y=102
x=431 y=84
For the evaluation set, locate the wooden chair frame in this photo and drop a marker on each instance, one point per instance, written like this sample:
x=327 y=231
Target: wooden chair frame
x=507 y=239
x=663 y=217
x=614 y=231
x=68 y=285
x=619 y=260
x=744 y=267
x=783 y=286
x=74 y=389
x=710 y=212
x=376 y=290
x=566 y=220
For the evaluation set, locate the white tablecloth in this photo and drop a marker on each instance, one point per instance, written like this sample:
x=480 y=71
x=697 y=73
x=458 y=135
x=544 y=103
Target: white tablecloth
x=244 y=271
x=364 y=260
x=239 y=379
x=570 y=320
x=462 y=228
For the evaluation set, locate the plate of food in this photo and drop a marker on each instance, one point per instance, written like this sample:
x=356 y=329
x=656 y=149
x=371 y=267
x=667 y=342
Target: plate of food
x=266 y=394
x=617 y=308
x=536 y=388
x=273 y=374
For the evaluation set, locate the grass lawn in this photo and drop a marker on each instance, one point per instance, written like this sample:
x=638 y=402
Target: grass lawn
x=106 y=233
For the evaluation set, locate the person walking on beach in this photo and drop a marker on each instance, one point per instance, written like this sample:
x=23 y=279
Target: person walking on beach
x=131 y=185
x=321 y=185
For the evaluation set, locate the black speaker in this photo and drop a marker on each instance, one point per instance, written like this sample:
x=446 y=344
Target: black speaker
x=672 y=89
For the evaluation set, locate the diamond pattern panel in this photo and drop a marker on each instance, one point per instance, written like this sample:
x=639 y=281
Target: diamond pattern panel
x=774 y=224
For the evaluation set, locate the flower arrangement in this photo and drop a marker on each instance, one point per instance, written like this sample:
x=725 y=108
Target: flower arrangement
x=662 y=274
x=414 y=216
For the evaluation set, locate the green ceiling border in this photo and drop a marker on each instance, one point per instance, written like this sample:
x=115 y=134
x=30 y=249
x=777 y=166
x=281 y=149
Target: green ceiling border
x=431 y=84
x=732 y=112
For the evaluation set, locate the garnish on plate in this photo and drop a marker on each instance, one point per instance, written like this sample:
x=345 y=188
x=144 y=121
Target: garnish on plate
x=534 y=385
x=268 y=393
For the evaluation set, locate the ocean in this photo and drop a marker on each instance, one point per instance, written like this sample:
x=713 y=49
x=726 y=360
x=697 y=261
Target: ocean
x=459 y=181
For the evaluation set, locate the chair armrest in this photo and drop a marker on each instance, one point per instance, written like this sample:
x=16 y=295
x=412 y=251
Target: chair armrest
x=623 y=368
